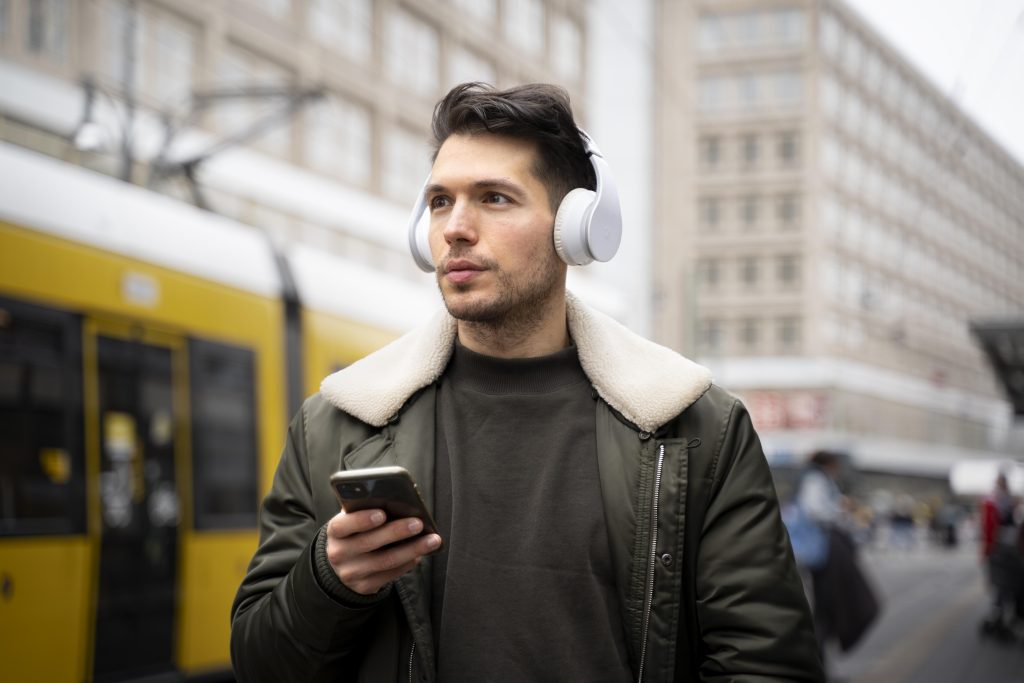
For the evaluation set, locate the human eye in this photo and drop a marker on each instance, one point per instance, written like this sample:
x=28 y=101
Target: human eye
x=496 y=198
x=438 y=202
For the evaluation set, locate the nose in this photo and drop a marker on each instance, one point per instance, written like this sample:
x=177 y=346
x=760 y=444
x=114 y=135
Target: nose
x=460 y=225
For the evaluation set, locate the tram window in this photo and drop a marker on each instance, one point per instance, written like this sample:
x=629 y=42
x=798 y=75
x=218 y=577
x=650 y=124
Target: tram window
x=42 y=485
x=223 y=435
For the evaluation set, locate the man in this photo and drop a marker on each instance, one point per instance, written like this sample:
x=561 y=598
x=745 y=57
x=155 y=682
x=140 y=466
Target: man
x=606 y=513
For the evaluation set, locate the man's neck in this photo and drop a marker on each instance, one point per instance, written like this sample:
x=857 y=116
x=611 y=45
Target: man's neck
x=514 y=337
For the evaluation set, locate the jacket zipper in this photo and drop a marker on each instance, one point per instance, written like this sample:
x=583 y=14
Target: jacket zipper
x=649 y=604
x=412 y=654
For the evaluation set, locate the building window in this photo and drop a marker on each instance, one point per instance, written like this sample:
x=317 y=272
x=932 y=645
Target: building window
x=710 y=33
x=118 y=21
x=788 y=330
x=788 y=210
x=711 y=92
x=750 y=149
x=566 y=48
x=710 y=338
x=787 y=148
x=169 y=54
x=524 y=24
x=789 y=26
x=750 y=331
x=708 y=273
x=830 y=34
x=486 y=10
x=748 y=28
x=749 y=271
x=710 y=151
x=239 y=68
x=750 y=95
x=788 y=269
x=279 y=9
x=411 y=58
x=406 y=163
x=47 y=34
x=5 y=7
x=465 y=66
x=749 y=207
x=339 y=140
x=344 y=26
x=710 y=211
x=788 y=88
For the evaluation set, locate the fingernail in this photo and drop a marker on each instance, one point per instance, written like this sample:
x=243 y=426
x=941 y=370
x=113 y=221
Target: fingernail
x=433 y=542
x=377 y=517
x=415 y=525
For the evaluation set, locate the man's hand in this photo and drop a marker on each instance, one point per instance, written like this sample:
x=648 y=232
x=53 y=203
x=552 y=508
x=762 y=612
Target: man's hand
x=355 y=548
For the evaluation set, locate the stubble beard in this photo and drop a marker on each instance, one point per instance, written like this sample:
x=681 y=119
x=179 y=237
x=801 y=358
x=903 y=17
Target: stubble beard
x=516 y=310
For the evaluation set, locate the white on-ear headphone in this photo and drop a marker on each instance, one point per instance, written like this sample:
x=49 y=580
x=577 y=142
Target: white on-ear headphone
x=588 y=223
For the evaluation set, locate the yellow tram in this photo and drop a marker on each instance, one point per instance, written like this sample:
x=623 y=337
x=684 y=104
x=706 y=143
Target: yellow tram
x=147 y=354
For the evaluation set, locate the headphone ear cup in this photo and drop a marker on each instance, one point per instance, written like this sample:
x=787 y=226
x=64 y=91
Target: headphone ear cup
x=419 y=243
x=570 y=232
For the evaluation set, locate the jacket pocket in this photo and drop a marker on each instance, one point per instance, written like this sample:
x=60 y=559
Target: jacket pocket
x=376 y=451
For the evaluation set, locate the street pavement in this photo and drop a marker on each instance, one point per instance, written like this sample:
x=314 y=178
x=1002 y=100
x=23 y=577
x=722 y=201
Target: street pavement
x=933 y=601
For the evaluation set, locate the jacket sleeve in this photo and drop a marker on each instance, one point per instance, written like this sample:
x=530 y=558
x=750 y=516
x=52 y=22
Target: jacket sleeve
x=284 y=625
x=754 y=619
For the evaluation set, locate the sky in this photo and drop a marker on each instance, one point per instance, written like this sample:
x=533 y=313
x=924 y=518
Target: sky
x=972 y=50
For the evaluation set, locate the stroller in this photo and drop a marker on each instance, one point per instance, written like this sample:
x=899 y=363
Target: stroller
x=1006 y=574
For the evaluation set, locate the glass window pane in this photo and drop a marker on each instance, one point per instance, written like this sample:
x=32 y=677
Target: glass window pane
x=480 y=9
x=277 y=8
x=790 y=26
x=238 y=69
x=412 y=54
x=710 y=33
x=524 y=24
x=225 y=490
x=568 y=42
x=465 y=65
x=5 y=7
x=42 y=484
x=169 y=58
x=47 y=34
x=406 y=163
x=339 y=139
x=345 y=26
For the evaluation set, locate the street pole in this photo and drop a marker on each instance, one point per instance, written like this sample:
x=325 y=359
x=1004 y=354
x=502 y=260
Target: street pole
x=128 y=86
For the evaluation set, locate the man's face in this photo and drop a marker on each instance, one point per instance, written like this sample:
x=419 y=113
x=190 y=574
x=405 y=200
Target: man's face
x=491 y=229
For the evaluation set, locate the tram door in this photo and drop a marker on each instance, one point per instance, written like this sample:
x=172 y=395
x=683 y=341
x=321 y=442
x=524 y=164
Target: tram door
x=138 y=509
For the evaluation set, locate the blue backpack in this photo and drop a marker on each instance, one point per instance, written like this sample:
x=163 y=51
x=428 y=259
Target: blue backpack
x=808 y=538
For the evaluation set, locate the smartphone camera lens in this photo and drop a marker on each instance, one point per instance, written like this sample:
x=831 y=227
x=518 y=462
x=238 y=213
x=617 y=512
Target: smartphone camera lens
x=353 y=491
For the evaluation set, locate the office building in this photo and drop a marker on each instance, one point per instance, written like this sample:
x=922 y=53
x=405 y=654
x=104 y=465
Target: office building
x=827 y=224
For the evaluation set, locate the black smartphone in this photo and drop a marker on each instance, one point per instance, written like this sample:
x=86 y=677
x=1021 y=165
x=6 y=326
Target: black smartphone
x=390 y=489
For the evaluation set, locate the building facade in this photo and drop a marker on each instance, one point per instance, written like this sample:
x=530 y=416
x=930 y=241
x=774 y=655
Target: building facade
x=827 y=224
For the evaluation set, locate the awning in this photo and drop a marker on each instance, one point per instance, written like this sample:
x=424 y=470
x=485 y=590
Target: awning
x=1003 y=343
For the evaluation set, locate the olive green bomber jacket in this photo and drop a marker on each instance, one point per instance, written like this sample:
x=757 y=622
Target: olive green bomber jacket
x=707 y=584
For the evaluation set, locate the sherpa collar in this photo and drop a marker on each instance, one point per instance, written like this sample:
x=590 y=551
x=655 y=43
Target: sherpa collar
x=647 y=383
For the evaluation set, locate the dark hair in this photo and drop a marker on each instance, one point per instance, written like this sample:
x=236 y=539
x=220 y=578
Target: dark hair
x=825 y=459
x=537 y=112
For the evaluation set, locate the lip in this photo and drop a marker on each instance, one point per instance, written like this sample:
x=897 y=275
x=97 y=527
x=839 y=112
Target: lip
x=462 y=270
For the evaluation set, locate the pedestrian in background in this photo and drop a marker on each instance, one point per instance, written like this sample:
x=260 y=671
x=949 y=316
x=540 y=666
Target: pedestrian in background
x=844 y=603
x=1001 y=552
